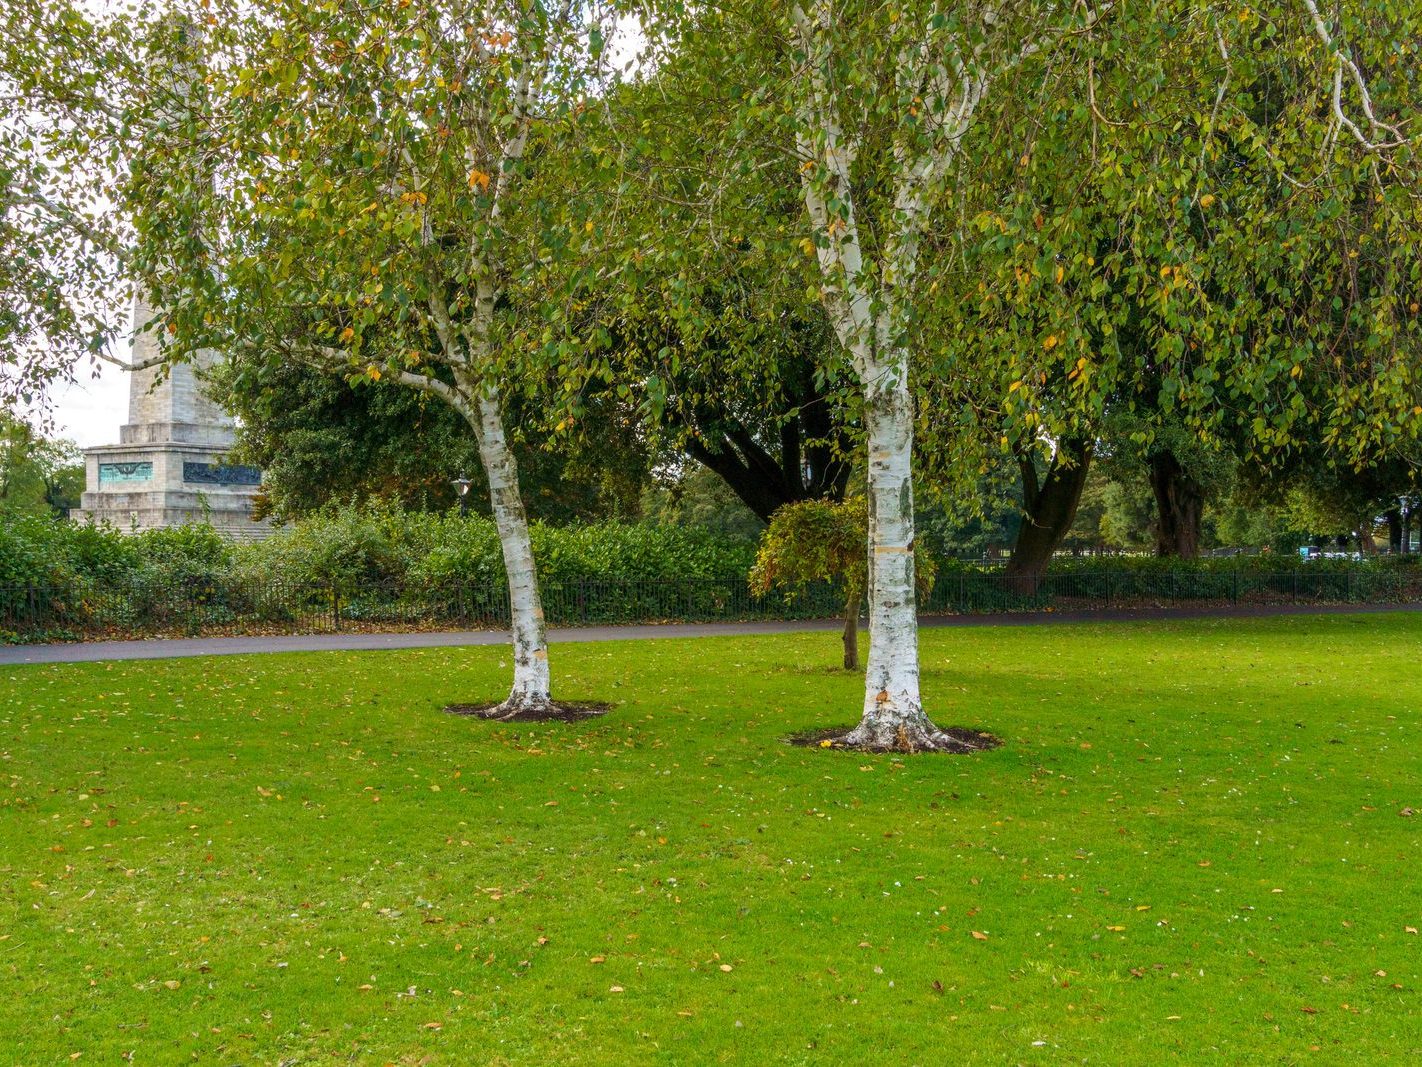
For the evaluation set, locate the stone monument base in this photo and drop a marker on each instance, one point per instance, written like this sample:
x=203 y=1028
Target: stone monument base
x=147 y=486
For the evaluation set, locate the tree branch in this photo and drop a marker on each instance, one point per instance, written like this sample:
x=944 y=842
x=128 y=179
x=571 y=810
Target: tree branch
x=1380 y=130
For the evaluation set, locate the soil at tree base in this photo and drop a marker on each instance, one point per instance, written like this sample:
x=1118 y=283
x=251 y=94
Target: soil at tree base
x=562 y=711
x=968 y=741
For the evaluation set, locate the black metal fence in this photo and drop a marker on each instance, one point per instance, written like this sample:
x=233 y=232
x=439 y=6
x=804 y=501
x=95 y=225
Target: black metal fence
x=225 y=606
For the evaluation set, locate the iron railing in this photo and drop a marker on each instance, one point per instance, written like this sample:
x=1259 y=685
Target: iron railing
x=222 y=605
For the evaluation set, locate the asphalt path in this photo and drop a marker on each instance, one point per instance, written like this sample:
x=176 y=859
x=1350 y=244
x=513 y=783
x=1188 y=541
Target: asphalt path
x=174 y=648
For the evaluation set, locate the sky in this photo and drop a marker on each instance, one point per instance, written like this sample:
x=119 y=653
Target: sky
x=90 y=410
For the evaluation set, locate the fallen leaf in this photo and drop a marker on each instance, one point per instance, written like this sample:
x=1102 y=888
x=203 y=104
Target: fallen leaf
x=434 y=1026
x=1308 y=1011
x=726 y=967
x=616 y=989
x=598 y=959
x=978 y=935
x=172 y=983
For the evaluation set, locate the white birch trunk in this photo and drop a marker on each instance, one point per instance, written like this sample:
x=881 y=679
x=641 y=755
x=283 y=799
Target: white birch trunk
x=531 y=689
x=893 y=714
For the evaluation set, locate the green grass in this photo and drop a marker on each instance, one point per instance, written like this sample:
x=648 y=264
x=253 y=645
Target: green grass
x=1188 y=848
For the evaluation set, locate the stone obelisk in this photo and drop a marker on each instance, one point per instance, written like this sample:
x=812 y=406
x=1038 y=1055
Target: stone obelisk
x=168 y=468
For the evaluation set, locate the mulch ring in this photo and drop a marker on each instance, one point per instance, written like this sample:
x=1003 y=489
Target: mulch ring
x=563 y=711
x=961 y=740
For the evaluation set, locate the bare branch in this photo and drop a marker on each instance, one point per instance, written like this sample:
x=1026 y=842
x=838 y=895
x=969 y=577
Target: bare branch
x=134 y=365
x=1380 y=131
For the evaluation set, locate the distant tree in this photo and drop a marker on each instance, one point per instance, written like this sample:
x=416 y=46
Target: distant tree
x=693 y=495
x=38 y=475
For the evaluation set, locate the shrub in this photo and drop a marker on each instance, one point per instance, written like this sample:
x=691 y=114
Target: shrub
x=347 y=546
x=54 y=552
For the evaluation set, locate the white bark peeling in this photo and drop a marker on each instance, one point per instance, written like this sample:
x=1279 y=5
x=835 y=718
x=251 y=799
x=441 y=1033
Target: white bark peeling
x=531 y=687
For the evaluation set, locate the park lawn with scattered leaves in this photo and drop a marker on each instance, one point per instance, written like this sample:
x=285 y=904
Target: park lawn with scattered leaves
x=1193 y=844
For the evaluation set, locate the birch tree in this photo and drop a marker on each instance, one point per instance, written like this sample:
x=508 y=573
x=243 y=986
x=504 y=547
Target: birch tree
x=899 y=117
x=355 y=187
x=905 y=83
x=386 y=182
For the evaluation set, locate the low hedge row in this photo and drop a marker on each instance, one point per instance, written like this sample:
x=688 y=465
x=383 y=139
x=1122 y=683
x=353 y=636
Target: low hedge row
x=383 y=566
x=353 y=547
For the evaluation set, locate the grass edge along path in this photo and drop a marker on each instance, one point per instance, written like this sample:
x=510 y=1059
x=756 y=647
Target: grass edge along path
x=1192 y=845
x=170 y=647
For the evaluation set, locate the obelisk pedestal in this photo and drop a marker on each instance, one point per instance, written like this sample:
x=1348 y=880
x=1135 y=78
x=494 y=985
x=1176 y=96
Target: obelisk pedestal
x=168 y=468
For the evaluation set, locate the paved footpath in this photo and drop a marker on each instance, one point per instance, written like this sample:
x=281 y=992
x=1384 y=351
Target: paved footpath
x=171 y=648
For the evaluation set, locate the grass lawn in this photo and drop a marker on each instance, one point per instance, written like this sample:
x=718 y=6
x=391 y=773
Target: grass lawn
x=1189 y=848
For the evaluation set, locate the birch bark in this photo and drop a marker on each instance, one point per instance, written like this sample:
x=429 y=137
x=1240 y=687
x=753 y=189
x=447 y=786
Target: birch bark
x=865 y=299
x=531 y=688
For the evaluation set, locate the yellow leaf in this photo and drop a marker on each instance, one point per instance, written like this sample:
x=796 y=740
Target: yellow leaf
x=347 y=334
x=1207 y=200
x=978 y=935
x=479 y=178
x=373 y=372
x=1050 y=343
x=1296 y=371
x=1014 y=387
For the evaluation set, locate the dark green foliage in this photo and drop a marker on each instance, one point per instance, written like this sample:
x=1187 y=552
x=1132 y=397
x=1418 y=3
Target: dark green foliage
x=318 y=440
